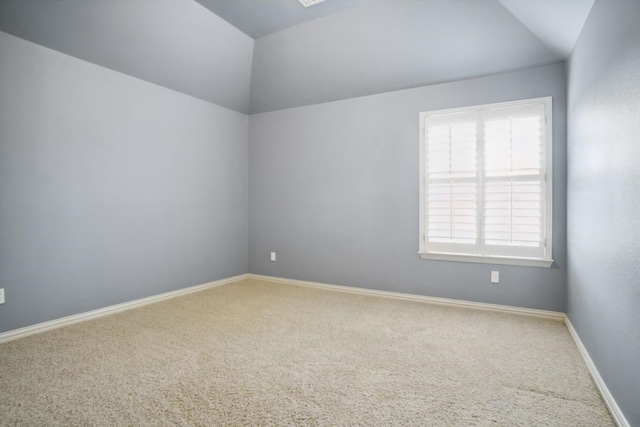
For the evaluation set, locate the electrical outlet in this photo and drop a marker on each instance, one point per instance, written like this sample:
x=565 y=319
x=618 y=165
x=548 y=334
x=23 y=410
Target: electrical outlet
x=273 y=256
x=495 y=277
x=2 y=296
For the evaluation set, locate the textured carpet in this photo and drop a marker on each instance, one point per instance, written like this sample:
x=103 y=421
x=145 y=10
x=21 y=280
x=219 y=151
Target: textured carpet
x=259 y=353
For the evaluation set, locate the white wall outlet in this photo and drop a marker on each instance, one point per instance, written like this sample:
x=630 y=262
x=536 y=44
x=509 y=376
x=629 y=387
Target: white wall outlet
x=495 y=277
x=273 y=256
x=2 y=296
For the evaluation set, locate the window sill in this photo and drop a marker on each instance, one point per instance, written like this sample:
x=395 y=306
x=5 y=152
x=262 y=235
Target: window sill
x=487 y=259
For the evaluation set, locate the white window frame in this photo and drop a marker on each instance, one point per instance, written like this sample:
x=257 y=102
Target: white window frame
x=545 y=261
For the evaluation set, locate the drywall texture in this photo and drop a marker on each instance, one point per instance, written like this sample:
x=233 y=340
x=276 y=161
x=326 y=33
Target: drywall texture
x=333 y=189
x=178 y=44
x=389 y=45
x=111 y=188
x=604 y=197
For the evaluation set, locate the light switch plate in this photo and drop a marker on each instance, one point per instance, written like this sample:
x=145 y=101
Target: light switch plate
x=2 y=296
x=273 y=256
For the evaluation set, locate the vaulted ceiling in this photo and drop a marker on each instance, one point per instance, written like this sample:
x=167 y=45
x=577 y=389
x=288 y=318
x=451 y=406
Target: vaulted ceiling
x=556 y=22
x=255 y=56
x=258 y=18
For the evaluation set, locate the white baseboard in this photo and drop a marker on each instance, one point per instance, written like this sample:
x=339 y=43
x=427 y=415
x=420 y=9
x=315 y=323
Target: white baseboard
x=554 y=315
x=82 y=317
x=615 y=411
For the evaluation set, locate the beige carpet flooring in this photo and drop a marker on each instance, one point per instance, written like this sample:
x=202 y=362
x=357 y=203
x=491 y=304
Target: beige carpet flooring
x=258 y=353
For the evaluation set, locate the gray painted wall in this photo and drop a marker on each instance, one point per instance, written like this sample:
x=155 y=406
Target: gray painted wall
x=178 y=44
x=389 y=45
x=604 y=197
x=111 y=188
x=333 y=189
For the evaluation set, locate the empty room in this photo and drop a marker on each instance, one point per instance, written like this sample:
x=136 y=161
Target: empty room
x=320 y=212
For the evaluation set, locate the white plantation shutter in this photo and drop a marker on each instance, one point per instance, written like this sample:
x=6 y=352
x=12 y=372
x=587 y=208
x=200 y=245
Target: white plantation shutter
x=485 y=189
x=452 y=184
x=514 y=174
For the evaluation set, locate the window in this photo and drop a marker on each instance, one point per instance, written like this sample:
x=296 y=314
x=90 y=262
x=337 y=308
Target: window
x=485 y=183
